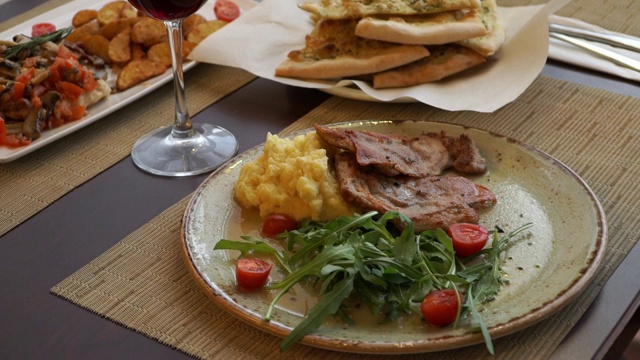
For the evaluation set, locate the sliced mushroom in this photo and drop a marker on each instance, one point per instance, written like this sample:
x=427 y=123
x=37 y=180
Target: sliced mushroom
x=33 y=123
x=16 y=110
x=9 y=69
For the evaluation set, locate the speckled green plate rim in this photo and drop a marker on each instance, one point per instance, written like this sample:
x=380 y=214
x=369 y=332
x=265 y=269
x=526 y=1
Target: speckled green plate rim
x=580 y=271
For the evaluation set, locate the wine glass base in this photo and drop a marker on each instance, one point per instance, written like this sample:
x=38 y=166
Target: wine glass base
x=159 y=153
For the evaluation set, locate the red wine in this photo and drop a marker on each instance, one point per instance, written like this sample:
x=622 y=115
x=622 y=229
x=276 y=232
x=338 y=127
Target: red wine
x=168 y=9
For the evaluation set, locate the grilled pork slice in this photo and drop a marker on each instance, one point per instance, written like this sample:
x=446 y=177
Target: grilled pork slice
x=431 y=201
x=423 y=155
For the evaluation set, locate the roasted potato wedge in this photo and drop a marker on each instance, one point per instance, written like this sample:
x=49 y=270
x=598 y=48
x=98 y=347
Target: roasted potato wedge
x=128 y=12
x=110 y=11
x=83 y=16
x=120 y=47
x=203 y=30
x=161 y=53
x=137 y=52
x=148 y=32
x=113 y=28
x=187 y=48
x=90 y=28
x=96 y=45
x=138 y=71
x=191 y=22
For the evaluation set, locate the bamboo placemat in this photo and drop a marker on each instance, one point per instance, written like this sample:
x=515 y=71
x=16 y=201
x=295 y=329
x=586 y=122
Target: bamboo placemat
x=141 y=283
x=31 y=183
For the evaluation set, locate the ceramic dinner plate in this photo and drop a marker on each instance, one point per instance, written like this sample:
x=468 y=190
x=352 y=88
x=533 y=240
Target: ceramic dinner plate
x=546 y=268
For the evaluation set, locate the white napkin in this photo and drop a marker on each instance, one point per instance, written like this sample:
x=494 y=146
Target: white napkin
x=260 y=39
x=569 y=53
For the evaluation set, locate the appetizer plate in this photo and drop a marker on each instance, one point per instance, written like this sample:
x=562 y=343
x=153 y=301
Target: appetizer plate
x=547 y=268
x=61 y=17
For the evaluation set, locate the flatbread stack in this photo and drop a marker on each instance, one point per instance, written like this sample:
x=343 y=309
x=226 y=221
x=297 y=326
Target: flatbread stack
x=395 y=43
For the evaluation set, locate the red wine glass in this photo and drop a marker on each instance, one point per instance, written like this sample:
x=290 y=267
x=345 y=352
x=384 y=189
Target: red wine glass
x=181 y=149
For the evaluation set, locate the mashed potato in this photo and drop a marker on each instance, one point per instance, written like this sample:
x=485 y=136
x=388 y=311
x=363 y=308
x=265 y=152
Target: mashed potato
x=292 y=177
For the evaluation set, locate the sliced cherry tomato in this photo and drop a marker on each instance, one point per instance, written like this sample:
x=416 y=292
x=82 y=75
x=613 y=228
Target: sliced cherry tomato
x=252 y=273
x=226 y=10
x=275 y=224
x=42 y=29
x=440 y=307
x=467 y=238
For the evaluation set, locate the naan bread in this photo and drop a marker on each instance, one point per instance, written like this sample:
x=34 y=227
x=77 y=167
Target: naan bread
x=488 y=44
x=431 y=29
x=350 y=9
x=332 y=50
x=445 y=60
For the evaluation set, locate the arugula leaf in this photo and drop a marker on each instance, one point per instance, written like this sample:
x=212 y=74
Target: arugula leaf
x=252 y=244
x=329 y=304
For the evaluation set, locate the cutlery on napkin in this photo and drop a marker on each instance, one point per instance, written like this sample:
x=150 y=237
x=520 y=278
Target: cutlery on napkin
x=562 y=49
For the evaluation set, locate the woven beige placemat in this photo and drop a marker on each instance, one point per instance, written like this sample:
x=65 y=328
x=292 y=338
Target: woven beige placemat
x=142 y=283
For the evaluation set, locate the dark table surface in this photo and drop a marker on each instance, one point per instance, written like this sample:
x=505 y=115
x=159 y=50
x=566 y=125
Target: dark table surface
x=72 y=231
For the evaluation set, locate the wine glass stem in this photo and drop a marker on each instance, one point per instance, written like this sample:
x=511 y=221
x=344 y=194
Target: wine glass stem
x=182 y=124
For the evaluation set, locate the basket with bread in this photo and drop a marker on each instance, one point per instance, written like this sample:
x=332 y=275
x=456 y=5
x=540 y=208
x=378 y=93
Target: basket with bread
x=395 y=43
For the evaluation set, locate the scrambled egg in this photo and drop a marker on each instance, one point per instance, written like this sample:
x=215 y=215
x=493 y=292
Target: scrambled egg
x=292 y=176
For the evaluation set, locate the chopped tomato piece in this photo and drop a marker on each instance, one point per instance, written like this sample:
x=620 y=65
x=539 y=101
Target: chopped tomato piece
x=54 y=122
x=30 y=62
x=77 y=112
x=275 y=224
x=252 y=273
x=42 y=29
x=226 y=10
x=440 y=307
x=38 y=90
x=69 y=90
x=467 y=238
x=3 y=132
x=62 y=110
x=18 y=91
x=26 y=76
x=63 y=52
x=16 y=140
x=36 y=102
x=89 y=83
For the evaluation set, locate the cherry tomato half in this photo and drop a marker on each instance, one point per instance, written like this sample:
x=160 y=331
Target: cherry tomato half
x=252 y=273
x=275 y=224
x=440 y=307
x=42 y=29
x=467 y=238
x=226 y=10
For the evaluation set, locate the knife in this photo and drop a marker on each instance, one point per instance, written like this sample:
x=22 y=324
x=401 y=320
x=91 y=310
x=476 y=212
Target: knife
x=606 y=38
x=608 y=54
